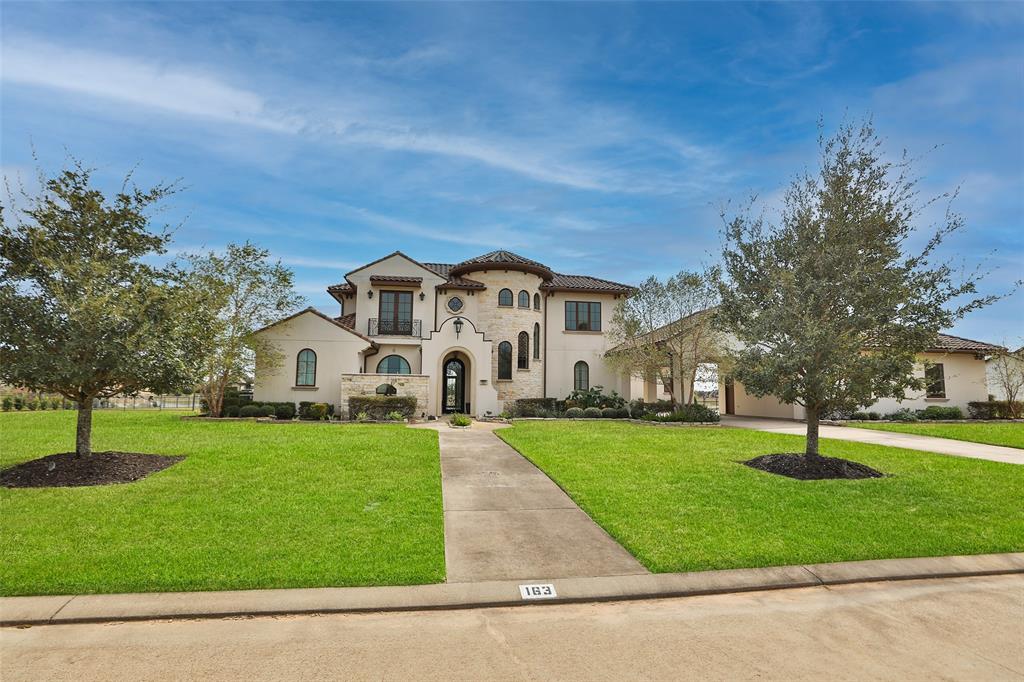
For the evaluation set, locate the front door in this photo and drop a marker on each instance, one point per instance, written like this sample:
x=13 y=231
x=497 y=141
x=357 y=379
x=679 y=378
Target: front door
x=454 y=398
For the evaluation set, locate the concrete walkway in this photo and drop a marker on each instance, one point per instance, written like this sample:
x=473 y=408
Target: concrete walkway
x=945 y=446
x=504 y=519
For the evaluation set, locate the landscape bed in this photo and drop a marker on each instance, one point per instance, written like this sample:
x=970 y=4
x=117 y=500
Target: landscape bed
x=1010 y=434
x=681 y=500
x=250 y=506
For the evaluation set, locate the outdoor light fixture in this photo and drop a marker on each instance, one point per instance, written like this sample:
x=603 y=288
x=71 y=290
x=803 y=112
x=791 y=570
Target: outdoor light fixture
x=369 y=293
x=458 y=326
x=423 y=296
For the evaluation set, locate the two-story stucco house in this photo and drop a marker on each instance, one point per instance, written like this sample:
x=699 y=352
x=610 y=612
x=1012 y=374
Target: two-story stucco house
x=469 y=337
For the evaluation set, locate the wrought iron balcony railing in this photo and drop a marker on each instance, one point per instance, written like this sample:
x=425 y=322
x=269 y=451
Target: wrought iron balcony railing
x=381 y=327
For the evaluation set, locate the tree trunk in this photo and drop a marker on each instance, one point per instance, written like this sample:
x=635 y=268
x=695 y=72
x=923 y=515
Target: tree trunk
x=812 y=432
x=83 y=435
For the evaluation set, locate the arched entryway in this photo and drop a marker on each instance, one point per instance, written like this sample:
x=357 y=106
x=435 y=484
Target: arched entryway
x=453 y=384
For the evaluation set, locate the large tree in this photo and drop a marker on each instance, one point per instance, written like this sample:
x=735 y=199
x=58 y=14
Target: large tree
x=84 y=312
x=669 y=324
x=832 y=305
x=247 y=291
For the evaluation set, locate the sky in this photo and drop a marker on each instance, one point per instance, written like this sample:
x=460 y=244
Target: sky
x=601 y=139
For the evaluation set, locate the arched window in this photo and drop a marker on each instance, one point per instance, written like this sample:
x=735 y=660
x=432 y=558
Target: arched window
x=505 y=297
x=536 y=340
x=305 y=368
x=393 y=364
x=581 y=376
x=536 y=301
x=504 y=360
x=523 y=356
x=524 y=299
x=386 y=389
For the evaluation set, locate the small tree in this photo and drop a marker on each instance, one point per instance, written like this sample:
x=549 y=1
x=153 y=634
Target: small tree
x=245 y=293
x=83 y=315
x=828 y=308
x=662 y=321
x=1006 y=370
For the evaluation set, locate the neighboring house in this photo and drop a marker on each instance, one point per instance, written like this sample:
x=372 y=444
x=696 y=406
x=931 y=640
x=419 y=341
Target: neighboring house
x=468 y=337
x=954 y=370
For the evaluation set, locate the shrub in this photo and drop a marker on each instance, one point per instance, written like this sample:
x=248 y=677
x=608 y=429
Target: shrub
x=940 y=412
x=990 y=409
x=533 y=407
x=8 y=404
x=859 y=416
x=594 y=397
x=231 y=411
x=874 y=416
x=284 y=411
x=692 y=412
x=378 y=406
x=574 y=413
x=19 y=402
x=395 y=416
x=638 y=408
x=267 y=410
x=248 y=411
x=32 y=405
x=55 y=404
x=609 y=413
x=362 y=417
x=904 y=415
x=461 y=420
x=592 y=413
x=319 y=411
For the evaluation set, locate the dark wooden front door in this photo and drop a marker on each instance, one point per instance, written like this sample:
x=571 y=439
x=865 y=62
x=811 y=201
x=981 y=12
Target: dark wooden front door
x=454 y=397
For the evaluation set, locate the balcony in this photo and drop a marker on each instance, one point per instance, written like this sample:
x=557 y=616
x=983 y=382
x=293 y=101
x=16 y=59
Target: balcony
x=380 y=327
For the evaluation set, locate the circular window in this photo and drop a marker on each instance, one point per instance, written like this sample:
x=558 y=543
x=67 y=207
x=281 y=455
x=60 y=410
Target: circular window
x=455 y=304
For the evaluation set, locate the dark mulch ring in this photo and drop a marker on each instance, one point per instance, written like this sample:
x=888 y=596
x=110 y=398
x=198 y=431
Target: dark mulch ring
x=100 y=468
x=795 y=465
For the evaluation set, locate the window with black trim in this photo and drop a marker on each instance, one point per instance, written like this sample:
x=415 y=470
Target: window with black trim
x=582 y=316
x=455 y=304
x=523 y=355
x=524 y=299
x=581 y=376
x=504 y=360
x=305 y=368
x=505 y=297
x=536 y=301
x=935 y=379
x=536 y=340
x=395 y=312
x=394 y=364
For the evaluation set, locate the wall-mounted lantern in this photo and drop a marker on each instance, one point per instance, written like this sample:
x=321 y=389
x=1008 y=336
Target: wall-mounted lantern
x=458 y=326
x=423 y=296
x=369 y=293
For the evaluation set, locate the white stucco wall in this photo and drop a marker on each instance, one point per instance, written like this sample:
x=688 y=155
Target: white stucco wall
x=476 y=349
x=395 y=265
x=565 y=348
x=337 y=352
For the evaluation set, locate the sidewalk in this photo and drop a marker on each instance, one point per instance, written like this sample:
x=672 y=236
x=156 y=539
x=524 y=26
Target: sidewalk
x=170 y=605
x=945 y=446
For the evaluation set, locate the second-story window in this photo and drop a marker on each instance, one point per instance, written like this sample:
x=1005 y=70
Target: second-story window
x=582 y=316
x=395 y=313
x=523 y=355
x=536 y=340
x=505 y=297
x=524 y=299
x=536 y=301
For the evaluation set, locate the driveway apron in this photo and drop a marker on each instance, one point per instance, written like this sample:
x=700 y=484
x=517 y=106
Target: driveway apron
x=505 y=520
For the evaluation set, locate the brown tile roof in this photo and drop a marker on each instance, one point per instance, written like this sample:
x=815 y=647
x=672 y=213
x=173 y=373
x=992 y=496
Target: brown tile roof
x=396 y=279
x=347 y=320
x=333 y=320
x=562 y=282
x=343 y=288
x=501 y=259
x=947 y=343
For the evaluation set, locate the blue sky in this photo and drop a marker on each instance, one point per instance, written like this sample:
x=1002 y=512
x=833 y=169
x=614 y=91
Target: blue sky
x=599 y=138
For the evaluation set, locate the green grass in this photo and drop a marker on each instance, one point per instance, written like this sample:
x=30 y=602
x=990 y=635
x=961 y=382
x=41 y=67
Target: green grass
x=679 y=501
x=1010 y=434
x=252 y=506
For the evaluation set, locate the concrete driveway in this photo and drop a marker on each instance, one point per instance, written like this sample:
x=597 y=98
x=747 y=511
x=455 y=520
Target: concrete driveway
x=961 y=629
x=944 y=446
x=504 y=519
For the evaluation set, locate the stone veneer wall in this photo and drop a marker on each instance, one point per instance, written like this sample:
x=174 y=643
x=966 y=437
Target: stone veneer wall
x=417 y=385
x=504 y=324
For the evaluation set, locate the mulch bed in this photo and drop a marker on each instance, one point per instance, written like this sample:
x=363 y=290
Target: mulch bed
x=797 y=466
x=65 y=470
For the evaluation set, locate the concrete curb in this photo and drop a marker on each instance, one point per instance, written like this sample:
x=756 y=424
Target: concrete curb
x=54 y=610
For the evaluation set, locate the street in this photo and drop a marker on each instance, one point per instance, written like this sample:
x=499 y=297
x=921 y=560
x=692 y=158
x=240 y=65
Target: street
x=966 y=629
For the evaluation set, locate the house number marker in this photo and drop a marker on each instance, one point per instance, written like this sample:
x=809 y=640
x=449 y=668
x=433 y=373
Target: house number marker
x=539 y=591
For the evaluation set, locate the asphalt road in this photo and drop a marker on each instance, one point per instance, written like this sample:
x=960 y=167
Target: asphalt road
x=964 y=629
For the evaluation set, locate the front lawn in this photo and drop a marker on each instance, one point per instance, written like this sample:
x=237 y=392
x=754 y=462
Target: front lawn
x=1010 y=434
x=251 y=506
x=678 y=499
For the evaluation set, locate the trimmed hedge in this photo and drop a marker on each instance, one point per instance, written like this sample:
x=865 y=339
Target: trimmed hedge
x=691 y=412
x=249 y=411
x=592 y=413
x=940 y=412
x=638 y=408
x=993 y=409
x=379 y=406
x=311 y=411
x=534 y=407
x=574 y=413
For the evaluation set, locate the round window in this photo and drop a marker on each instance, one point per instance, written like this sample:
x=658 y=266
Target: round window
x=455 y=304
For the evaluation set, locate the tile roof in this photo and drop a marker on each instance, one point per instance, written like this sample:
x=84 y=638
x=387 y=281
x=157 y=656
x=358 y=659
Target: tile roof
x=562 y=282
x=396 y=279
x=347 y=320
x=337 y=321
x=501 y=257
x=947 y=343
